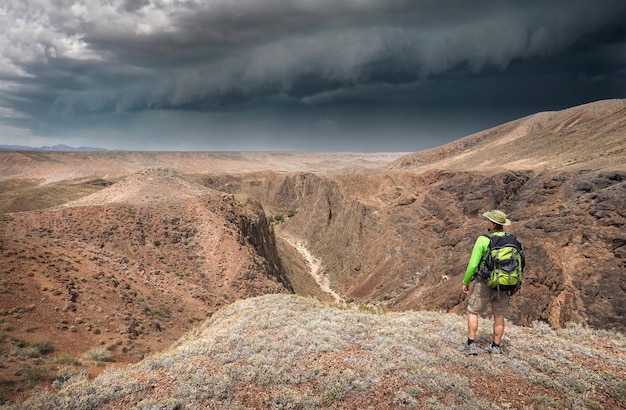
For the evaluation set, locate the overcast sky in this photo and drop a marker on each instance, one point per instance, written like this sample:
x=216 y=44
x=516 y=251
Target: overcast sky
x=307 y=75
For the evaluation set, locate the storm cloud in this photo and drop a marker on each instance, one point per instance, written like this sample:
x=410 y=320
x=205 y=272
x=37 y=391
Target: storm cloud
x=349 y=75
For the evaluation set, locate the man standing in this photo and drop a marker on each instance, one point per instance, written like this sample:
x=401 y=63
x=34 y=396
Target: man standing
x=483 y=296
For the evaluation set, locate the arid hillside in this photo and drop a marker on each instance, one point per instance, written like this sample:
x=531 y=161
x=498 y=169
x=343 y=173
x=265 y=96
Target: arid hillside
x=109 y=257
x=124 y=272
x=587 y=137
x=290 y=352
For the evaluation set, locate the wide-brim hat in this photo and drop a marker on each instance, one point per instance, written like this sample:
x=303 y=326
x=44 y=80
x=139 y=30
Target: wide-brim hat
x=497 y=217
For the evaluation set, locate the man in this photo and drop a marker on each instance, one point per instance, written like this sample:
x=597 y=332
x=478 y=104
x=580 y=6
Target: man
x=483 y=296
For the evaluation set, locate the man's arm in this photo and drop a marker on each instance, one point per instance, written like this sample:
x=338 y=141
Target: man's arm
x=480 y=247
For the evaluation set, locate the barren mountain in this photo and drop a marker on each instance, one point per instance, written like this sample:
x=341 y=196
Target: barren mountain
x=590 y=136
x=108 y=257
x=128 y=269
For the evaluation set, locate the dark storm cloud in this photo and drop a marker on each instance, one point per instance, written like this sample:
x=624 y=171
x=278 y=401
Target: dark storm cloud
x=300 y=74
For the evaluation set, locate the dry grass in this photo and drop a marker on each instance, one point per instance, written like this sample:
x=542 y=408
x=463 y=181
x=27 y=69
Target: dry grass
x=283 y=352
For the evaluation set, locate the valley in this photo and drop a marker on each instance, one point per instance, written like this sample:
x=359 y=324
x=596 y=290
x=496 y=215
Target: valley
x=109 y=258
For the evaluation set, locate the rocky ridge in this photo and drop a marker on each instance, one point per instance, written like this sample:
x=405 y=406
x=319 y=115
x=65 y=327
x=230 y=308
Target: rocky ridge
x=127 y=270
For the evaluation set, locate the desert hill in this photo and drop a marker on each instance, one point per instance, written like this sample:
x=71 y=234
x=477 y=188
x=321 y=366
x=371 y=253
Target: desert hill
x=125 y=271
x=108 y=257
x=589 y=136
x=282 y=351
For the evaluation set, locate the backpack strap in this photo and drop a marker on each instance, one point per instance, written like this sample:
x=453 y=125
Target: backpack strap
x=483 y=269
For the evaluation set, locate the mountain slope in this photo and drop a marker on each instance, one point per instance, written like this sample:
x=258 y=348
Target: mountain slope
x=282 y=351
x=129 y=268
x=589 y=136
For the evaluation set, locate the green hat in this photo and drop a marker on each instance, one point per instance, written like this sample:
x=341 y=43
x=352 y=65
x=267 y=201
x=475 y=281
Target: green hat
x=497 y=217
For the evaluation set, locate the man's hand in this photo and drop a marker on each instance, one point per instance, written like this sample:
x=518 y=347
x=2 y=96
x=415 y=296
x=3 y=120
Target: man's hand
x=465 y=288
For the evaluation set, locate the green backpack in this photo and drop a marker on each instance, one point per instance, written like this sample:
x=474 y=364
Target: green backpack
x=503 y=264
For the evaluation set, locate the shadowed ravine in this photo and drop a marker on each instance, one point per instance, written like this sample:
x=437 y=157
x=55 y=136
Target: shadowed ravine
x=316 y=268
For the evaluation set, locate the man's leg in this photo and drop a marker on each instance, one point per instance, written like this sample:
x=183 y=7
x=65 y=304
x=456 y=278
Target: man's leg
x=470 y=347
x=472 y=325
x=474 y=305
x=498 y=328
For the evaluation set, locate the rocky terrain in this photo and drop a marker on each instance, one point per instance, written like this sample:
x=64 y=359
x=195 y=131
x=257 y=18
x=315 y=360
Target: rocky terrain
x=291 y=352
x=107 y=258
x=127 y=270
x=401 y=236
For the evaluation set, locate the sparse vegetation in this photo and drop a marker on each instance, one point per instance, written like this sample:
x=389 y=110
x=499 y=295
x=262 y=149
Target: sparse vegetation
x=98 y=354
x=33 y=350
x=280 y=218
x=296 y=352
x=162 y=311
x=34 y=374
x=66 y=358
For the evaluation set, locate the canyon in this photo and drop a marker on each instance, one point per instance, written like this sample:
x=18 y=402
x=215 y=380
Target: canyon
x=128 y=251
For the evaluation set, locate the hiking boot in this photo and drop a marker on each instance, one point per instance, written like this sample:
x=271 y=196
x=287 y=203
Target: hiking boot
x=491 y=349
x=470 y=349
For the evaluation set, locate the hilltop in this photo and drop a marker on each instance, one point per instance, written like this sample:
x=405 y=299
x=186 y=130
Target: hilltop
x=285 y=351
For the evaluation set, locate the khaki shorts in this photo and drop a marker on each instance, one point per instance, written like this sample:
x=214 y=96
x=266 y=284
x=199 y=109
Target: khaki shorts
x=482 y=296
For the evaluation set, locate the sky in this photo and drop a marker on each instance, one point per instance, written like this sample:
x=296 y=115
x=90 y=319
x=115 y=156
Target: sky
x=297 y=75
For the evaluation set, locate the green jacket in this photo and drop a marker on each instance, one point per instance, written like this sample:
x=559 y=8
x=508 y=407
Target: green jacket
x=480 y=248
